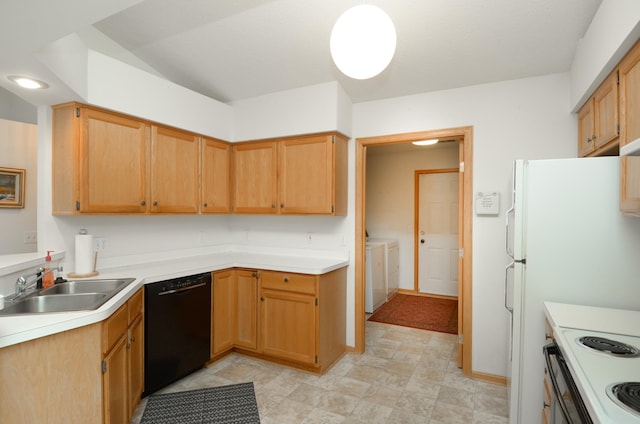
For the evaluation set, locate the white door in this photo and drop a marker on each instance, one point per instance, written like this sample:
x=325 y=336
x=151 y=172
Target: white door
x=438 y=233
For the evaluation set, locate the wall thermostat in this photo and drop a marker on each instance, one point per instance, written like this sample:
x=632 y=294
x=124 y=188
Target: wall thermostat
x=488 y=203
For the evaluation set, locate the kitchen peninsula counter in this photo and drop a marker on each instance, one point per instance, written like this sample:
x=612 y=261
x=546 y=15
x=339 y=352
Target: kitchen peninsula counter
x=148 y=269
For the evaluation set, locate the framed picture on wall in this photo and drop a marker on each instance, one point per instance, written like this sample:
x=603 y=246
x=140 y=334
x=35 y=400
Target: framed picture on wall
x=12 y=187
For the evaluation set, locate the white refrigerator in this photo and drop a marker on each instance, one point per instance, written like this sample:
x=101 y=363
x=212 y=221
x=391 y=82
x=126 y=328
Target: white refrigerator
x=569 y=243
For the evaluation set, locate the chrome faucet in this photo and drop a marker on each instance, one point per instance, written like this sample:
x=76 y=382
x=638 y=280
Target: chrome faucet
x=22 y=284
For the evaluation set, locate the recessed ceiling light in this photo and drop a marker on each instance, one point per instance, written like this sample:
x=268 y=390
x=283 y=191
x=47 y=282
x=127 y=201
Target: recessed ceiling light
x=425 y=142
x=26 y=82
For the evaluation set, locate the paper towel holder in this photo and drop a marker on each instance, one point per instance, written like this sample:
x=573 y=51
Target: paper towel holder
x=95 y=262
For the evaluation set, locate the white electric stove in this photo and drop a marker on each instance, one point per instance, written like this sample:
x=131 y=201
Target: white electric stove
x=604 y=366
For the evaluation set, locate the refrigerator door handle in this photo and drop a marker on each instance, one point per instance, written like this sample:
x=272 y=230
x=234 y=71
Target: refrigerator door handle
x=506 y=286
x=506 y=230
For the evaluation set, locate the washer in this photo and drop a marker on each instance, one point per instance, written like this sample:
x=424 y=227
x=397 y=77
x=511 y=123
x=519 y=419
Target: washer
x=392 y=264
x=375 y=277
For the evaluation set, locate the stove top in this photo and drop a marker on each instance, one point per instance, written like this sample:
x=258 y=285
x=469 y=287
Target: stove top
x=605 y=367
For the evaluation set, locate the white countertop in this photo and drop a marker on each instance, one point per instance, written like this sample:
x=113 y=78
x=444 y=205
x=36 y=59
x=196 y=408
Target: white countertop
x=605 y=320
x=20 y=328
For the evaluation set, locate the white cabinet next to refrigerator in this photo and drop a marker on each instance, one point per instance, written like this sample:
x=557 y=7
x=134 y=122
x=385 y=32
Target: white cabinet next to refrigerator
x=375 y=280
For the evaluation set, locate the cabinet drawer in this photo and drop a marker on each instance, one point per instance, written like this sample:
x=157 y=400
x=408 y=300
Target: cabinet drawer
x=113 y=328
x=299 y=283
x=135 y=306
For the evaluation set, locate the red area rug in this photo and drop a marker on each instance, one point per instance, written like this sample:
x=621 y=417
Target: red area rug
x=427 y=313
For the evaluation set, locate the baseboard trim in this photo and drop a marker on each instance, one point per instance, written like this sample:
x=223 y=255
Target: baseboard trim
x=415 y=293
x=489 y=378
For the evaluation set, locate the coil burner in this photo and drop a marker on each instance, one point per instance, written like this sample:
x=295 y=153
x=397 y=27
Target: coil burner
x=608 y=346
x=626 y=395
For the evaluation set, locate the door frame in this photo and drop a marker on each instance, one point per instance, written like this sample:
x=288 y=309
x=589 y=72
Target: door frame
x=465 y=155
x=416 y=221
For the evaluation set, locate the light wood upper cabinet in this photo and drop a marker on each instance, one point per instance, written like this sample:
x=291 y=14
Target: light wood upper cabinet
x=630 y=131
x=99 y=161
x=255 y=177
x=585 y=129
x=630 y=96
x=108 y=163
x=312 y=176
x=174 y=171
x=215 y=176
x=598 y=120
x=300 y=175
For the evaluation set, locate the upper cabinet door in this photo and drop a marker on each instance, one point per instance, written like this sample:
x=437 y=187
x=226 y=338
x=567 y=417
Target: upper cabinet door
x=216 y=176
x=307 y=175
x=585 y=129
x=255 y=173
x=174 y=171
x=605 y=111
x=112 y=163
x=630 y=96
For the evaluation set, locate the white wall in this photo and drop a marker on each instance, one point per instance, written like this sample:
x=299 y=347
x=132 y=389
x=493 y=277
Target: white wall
x=521 y=119
x=390 y=196
x=18 y=144
x=305 y=110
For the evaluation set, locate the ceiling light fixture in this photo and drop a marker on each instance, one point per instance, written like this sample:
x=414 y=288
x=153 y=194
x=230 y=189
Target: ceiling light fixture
x=363 y=41
x=26 y=82
x=425 y=142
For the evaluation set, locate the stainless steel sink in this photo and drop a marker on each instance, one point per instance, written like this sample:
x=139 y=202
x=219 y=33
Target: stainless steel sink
x=57 y=303
x=83 y=295
x=88 y=286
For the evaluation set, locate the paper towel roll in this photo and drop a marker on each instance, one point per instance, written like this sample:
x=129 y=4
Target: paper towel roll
x=84 y=253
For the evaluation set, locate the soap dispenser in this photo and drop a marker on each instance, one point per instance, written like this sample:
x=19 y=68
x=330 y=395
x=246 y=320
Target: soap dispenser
x=47 y=279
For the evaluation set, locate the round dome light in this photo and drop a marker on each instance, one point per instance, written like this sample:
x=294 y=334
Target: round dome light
x=363 y=41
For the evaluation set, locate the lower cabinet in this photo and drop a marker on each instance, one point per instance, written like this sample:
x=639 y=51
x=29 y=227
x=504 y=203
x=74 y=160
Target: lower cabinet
x=288 y=316
x=122 y=363
x=53 y=379
x=246 y=313
x=547 y=403
x=233 y=315
x=299 y=319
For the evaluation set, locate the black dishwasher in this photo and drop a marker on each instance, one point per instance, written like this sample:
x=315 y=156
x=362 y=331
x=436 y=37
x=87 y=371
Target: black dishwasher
x=177 y=329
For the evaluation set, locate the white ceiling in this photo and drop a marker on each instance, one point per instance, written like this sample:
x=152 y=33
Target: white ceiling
x=236 y=49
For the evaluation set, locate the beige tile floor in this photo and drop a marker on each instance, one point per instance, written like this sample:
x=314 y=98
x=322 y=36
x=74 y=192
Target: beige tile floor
x=405 y=376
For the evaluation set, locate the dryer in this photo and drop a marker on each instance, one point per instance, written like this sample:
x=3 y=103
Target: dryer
x=375 y=277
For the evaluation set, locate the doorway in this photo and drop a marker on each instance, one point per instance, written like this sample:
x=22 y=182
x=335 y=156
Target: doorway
x=464 y=135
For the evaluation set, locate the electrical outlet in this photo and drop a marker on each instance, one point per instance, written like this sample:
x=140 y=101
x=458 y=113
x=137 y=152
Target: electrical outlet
x=100 y=244
x=30 y=237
